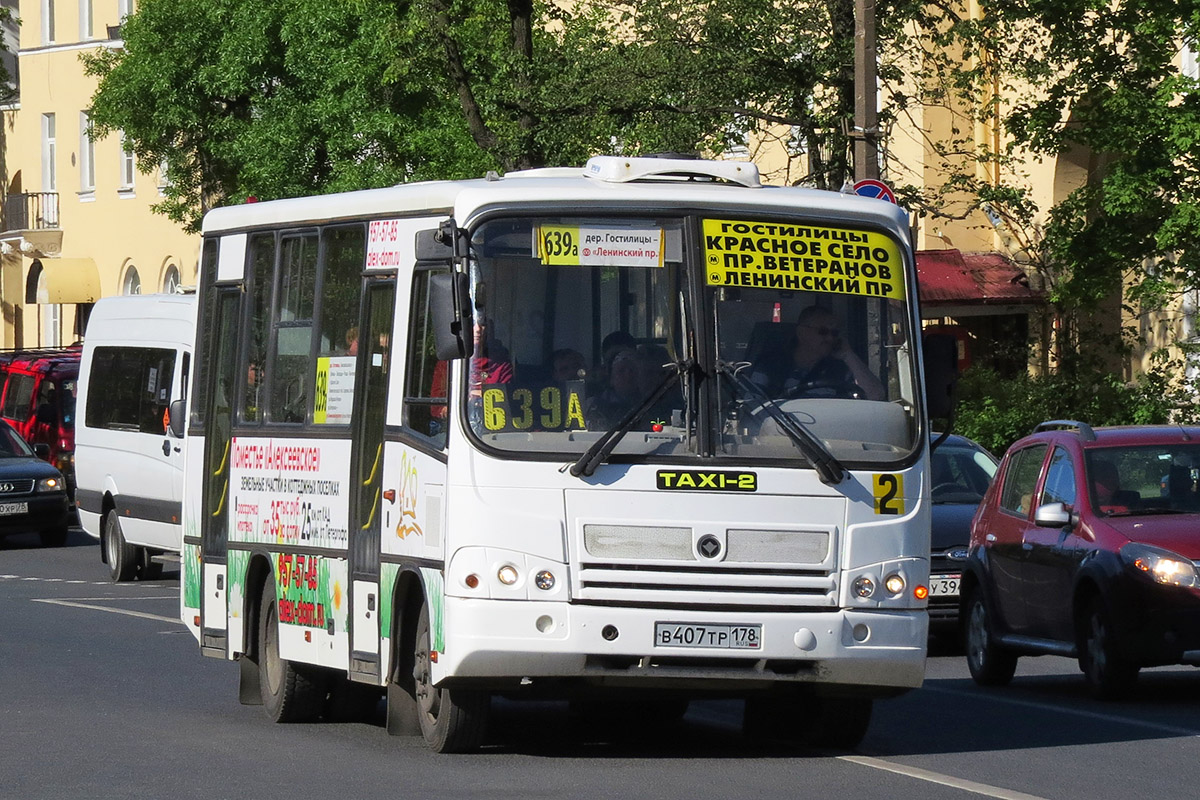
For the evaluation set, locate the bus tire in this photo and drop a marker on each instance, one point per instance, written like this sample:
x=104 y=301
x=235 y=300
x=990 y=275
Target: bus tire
x=290 y=692
x=122 y=556
x=451 y=720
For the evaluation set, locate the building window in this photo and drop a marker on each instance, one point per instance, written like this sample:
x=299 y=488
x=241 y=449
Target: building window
x=1188 y=58
x=124 y=8
x=132 y=283
x=170 y=283
x=85 y=19
x=128 y=164
x=87 y=155
x=47 y=21
x=164 y=179
x=49 y=154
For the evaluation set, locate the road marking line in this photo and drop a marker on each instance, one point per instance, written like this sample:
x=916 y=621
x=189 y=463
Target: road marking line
x=126 y=612
x=1154 y=726
x=938 y=778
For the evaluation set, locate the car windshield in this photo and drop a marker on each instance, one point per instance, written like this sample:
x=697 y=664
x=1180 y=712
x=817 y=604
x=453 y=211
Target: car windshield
x=582 y=322
x=1144 y=480
x=12 y=445
x=960 y=473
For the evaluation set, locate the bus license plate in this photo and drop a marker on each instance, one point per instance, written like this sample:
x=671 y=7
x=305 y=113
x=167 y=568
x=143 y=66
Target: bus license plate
x=13 y=508
x=731 y=637
x=944 y=585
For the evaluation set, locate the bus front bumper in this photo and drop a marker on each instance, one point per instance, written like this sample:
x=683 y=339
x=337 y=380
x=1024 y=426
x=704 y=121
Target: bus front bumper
x=497 y=641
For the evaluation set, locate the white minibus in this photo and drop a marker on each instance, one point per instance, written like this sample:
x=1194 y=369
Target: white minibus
x=129 y=462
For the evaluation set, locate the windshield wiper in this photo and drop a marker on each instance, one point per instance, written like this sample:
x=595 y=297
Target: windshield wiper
x=828 y=468
x=600 y=450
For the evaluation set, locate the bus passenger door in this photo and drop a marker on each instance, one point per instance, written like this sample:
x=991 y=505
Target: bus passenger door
x=218 y=446
x=366 y=471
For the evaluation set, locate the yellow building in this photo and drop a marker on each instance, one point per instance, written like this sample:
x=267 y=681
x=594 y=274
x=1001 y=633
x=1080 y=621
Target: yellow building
x=77 y=223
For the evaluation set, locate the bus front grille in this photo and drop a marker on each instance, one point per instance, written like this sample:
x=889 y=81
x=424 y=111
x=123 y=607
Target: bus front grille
x=705 y=587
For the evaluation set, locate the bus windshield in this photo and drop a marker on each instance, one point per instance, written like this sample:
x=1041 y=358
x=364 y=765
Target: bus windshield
x=695 y=337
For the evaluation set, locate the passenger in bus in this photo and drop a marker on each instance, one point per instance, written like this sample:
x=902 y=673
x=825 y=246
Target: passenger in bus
x=568 y=365
x=620 y=395
x=352 y=341
x=490 y=362
x=820 y=364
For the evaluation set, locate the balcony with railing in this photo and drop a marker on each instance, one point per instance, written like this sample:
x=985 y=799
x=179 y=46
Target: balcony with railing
x=30 y=211
x=29 y=223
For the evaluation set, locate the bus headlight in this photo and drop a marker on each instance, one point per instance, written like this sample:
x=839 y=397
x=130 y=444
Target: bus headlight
x=863 y=586
x=544 y=580
x=894 y=583
x=507 y=575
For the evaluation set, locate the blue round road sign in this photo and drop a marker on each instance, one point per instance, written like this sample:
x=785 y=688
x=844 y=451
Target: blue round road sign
x=877 y=189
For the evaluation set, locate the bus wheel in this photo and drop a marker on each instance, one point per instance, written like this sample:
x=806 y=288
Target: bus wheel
x=451 y=720
x=122 y=556
x=290 y=693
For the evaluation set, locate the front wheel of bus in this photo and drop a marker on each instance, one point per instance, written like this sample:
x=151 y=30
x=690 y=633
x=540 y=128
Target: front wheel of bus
x=290 y=693
x=451 y=720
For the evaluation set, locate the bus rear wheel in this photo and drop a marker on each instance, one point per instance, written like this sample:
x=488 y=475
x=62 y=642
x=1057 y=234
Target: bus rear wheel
x=451 y=720
x=290 y=692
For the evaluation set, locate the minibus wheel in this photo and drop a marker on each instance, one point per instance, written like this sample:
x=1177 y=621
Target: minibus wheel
x=451 y=720
x=122 y=556
x=290 y=692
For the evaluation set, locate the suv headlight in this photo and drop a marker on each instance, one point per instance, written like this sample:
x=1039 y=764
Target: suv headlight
x=1163 y=566
x=50 y=485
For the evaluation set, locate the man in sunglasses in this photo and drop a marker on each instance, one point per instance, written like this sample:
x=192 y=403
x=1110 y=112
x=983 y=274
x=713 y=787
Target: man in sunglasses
x=822 y=364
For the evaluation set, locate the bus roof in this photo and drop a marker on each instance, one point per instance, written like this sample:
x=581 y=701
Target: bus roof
x=606 y=182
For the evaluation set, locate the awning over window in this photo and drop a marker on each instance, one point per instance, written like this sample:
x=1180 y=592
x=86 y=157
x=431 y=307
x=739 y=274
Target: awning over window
x=948 y=277
x=62 y=280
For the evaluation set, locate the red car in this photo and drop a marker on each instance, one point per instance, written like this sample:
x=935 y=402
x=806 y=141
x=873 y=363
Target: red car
x=37 y=397
x=1086 y=545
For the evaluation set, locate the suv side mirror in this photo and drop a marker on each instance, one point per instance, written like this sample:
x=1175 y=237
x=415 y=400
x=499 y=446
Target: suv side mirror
x=176 y=414
x=1053 y=515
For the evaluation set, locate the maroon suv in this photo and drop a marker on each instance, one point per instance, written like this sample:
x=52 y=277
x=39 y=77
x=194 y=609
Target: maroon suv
x=1085 y=545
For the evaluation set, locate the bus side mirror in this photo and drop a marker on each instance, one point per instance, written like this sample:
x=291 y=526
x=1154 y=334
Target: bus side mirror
x=941 y=374
x=177 y=413
x=453 y=323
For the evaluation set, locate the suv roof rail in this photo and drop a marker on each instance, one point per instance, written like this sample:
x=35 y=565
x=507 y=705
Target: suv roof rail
x=1085 y=431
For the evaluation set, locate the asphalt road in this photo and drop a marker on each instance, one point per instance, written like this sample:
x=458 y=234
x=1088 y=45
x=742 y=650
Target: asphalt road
x=105 y=695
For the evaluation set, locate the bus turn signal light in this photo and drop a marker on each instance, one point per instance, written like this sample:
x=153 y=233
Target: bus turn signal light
x=920 y=592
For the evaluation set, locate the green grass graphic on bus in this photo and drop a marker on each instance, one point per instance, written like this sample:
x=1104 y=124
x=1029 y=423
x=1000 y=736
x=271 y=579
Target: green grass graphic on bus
x=191 y=576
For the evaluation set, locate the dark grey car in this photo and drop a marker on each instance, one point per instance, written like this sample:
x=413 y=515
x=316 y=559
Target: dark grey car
x=961 y=472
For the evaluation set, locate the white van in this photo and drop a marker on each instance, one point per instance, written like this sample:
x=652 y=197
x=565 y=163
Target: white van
x=136 y=362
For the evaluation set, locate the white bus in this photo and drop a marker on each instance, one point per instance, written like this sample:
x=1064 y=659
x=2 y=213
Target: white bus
x=627 y=435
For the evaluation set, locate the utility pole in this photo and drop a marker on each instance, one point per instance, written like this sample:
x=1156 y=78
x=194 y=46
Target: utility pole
x=866 y=101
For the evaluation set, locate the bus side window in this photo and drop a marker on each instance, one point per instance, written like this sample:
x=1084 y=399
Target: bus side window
x=426 y=379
